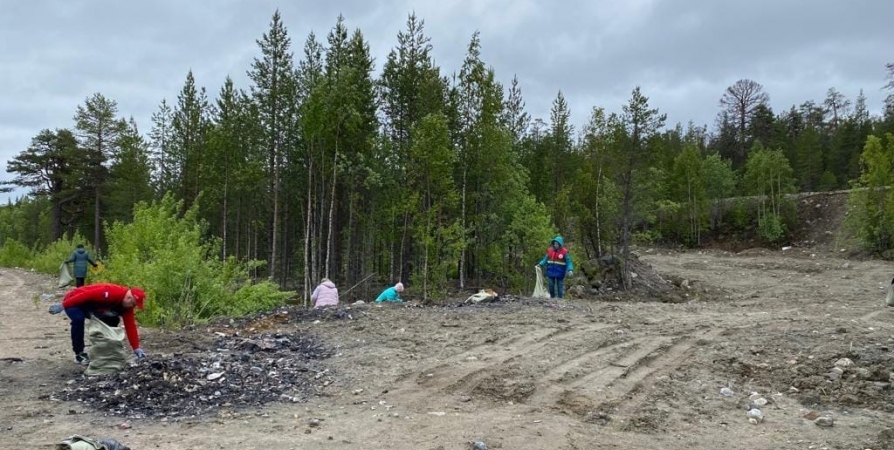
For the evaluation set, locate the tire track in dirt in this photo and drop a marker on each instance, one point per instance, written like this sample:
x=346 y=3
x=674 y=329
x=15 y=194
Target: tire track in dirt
x=466 y=365
x=511 y=373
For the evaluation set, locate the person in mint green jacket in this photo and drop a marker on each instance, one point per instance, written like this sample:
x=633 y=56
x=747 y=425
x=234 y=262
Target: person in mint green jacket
x=80 y=258
x=558 y=263
x=391 y=294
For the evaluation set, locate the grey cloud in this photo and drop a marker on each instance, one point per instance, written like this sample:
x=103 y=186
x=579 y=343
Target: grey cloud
x=683 y=53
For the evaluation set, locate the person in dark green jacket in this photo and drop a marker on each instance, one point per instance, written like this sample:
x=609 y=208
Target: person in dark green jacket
x=80 y=258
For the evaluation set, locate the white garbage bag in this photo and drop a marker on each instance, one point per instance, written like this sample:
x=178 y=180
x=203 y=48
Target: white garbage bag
x=64 y=277
x=540 y=287
x=890 y=300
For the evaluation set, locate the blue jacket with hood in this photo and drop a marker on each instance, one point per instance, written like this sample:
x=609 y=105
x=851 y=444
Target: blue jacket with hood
x=557 y=262
x=80 y=258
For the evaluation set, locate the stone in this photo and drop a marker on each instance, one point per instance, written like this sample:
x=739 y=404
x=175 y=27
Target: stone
x=844 y=362
x=824 y=422
x=726 y=392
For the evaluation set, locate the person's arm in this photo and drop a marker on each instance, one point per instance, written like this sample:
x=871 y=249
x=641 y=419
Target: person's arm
x=543 y=261
x=381 y=296
x=72 y=259
x=568 y=262
x=315 y=295
x=92 y=263
x=130 y=328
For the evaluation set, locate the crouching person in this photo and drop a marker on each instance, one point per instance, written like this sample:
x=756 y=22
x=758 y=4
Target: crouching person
x=326 y=294
x=391 y=294
x=110 y=303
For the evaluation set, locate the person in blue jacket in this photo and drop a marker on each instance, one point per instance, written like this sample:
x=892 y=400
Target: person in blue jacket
x=558 y=263
x=391 y=294
x=80 y=258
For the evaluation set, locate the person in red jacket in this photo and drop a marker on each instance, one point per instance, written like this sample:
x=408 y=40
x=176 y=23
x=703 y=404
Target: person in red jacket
x=110 y=303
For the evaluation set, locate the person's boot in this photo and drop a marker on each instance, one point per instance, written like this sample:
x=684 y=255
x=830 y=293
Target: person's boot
x=82 y=358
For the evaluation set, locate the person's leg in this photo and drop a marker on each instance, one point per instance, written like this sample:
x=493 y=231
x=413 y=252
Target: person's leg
x=560 y=287
x=77 y=317
x=79 y=281
x=552 y=287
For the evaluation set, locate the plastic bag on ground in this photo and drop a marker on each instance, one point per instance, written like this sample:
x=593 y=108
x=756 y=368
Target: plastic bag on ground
x=539 y=287
x=84 y=443
x=483 y=296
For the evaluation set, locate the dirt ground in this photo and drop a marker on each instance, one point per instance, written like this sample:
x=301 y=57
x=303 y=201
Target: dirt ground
x=524 y=373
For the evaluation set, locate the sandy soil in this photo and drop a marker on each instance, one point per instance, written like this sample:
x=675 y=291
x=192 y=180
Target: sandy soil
x=526 y=374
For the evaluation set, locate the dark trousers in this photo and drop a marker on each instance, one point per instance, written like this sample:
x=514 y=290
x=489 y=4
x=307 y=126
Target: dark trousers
x=79 y=281
x=556 y=287
x=78 y=316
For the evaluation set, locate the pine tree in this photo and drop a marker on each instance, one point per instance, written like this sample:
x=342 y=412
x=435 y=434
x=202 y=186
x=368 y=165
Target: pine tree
x=98 y=131
x=642 y=124
x=129 y=174
x=161 y=145
x=47 y=167
x=189 y=128
x=274 y=92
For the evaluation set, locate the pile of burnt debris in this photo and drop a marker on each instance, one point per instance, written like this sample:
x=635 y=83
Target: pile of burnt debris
x=236 y=373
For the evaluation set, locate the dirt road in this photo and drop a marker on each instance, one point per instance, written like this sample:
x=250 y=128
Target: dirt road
x=525 y=374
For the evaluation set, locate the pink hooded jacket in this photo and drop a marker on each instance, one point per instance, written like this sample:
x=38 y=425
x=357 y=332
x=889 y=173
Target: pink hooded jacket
x=326 y=294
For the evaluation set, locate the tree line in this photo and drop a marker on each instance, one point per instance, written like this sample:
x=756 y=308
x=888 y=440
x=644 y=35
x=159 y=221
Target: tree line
x=320 y=169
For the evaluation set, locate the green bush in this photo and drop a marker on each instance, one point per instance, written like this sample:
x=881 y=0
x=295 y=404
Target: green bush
x=164 y=252
x=15 y=254
x=772 y=229
x=48 y=260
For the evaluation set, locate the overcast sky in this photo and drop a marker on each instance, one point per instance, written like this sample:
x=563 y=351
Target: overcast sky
x=684 y=53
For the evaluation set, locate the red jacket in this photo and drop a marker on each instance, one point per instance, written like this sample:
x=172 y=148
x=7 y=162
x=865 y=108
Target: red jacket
x=103 y=297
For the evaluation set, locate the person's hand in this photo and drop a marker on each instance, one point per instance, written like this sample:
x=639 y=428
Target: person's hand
x=139 y=353
x=95 y=265
x=570 y=273
x=56 y=308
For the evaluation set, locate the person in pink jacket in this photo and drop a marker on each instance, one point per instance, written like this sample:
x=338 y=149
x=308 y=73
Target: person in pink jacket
x=326 y=294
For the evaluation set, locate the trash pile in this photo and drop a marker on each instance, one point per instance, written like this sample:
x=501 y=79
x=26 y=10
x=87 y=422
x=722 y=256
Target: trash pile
x=239 y=372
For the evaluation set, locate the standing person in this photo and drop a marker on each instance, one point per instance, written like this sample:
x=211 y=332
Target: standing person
x=110 y=303
x=558 y=263
x=391 y=294
x=326 y=294
x=80 y=258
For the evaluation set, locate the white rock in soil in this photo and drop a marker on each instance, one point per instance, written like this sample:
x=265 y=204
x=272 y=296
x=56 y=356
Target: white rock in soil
x=754 y=396
x=824 y=421
x=844 y=362
x=726 y=392
x=761 y=402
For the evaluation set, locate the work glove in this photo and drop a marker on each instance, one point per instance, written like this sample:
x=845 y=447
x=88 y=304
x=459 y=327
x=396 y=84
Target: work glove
x=139 y=353
x=56 y=308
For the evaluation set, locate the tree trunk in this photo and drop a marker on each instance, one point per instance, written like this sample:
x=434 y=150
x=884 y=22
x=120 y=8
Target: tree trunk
x=307 y=222
x=329 y=240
